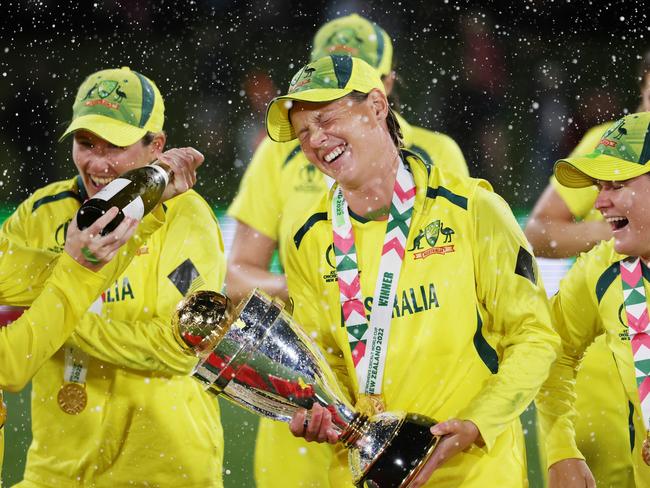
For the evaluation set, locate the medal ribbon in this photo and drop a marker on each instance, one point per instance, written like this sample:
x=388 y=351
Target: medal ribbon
x=75 y=365
x=370 y=367
x=636 y=311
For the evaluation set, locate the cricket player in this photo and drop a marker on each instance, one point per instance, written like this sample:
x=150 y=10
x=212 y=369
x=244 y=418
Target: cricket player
x=116 y=406
x=426 y=269
x=603 y=295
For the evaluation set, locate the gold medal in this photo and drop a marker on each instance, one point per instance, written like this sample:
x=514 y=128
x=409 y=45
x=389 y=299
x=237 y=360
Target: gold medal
x=72 y=398
x=645 y=452
x=3 y=412
x=370 y=404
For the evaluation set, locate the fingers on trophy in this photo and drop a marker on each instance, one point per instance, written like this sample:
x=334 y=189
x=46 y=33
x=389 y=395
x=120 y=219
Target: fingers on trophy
x=257 y=357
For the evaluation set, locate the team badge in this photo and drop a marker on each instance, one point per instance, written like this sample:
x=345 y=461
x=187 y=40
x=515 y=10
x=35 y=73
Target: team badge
x=430 y=235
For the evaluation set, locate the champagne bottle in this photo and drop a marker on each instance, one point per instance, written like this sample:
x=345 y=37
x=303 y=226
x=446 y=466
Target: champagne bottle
x=135 y=193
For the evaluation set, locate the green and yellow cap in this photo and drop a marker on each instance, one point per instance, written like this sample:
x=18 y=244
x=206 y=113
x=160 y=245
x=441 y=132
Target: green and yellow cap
x=358 y=37
x=118 y=105
x=324 y=80
x=622 y=153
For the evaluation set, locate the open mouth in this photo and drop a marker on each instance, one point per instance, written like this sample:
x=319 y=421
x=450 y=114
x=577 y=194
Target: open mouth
x=100 y=181
x=335 y=153
x=617 y=223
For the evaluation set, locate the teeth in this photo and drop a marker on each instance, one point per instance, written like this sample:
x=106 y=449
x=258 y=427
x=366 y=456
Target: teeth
x=334 y=153
x=100 y=181
x=615 y=219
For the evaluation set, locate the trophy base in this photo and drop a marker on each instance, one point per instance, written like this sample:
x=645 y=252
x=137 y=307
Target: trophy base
x=403 y=456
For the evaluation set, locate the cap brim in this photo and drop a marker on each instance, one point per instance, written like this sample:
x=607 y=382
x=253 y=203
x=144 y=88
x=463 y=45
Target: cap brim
x=583 y=171
x=278 y=125
x=116 y=132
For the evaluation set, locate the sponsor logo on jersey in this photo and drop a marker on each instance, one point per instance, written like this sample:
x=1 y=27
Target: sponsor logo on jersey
x=59 y=237
x=330 y=276
x=424 y=244
x=411 y=301
x=308 y=180
x=624 y=333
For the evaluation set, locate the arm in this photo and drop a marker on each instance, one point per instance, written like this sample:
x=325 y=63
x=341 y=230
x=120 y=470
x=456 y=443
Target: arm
x=527 y=344
x=553 y=231
x=191 y=258
x=28 y=342
x=575 y=317
x=257 y=209
x=248 y=265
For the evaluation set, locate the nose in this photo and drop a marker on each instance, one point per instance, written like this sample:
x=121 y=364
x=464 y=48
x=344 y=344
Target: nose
x=603 y=200
x=317 y=137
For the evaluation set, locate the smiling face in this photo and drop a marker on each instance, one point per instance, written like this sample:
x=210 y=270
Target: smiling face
x=625 y=205
x=345 y=139
x=99 y=162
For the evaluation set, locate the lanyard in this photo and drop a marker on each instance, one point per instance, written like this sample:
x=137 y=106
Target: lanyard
x=369 y=362
x=636 y=311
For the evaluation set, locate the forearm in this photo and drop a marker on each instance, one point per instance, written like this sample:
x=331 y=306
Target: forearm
x=556 y=411
x=553 y=239
x=29 y=341
x=141 y=345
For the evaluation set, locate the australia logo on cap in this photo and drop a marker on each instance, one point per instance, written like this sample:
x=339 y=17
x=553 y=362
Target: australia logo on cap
x=302 y=78
x=99 y=93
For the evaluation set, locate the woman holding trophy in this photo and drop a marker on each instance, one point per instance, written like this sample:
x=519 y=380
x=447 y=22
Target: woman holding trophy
x=418 y=285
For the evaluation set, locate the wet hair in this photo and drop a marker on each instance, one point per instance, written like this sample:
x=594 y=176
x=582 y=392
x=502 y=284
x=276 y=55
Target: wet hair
x=394 y=129
x=148 y=138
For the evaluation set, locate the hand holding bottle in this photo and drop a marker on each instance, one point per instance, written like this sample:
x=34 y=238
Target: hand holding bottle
x=182 y=161
x=92 y=249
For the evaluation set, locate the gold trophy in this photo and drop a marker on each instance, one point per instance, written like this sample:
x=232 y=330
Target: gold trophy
x=257 y=357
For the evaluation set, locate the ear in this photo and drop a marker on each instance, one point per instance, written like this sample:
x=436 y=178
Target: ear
x=379 y=104
x=158 y=143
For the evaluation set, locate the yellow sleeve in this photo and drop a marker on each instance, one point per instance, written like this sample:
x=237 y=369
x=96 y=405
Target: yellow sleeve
x=29 y=341
x=22 y=272
x=192 y=234
x=575 y=317
x=580 y=201
x=515 y=313
x=56 y=304
x=258 y=202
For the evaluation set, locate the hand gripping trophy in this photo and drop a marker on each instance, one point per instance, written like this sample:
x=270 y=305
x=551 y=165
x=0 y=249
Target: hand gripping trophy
x=259 y=358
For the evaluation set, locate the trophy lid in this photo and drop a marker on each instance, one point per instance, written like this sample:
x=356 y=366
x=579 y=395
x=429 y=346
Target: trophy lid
x=201 y=320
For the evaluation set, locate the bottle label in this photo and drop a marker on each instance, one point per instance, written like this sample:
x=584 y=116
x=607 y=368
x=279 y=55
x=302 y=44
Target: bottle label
x=135 y=209
x=110 y=190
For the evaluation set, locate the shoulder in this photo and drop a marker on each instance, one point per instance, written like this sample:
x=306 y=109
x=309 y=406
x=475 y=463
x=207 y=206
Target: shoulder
x=59 y=191
x=276 y=154
x=188 y=204
x=457 y=189
x=310 y=224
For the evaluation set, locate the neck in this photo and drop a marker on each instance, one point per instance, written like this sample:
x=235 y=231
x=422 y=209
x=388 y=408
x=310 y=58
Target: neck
x=372 y=199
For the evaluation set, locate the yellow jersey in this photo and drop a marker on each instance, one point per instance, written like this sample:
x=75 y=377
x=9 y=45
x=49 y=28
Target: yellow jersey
x=460 y=345
x=146 y=421
x=50 y=284
x=590 y=304
x=279 y=186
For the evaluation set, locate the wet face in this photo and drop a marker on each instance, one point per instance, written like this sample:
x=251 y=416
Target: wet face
x=345 y=139
x=99 y=162
x=625 y=205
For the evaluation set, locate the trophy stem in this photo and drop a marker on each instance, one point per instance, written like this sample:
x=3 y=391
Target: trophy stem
x=354 y=430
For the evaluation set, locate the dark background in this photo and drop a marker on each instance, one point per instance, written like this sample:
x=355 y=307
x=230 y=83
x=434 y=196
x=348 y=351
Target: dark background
x=515 y=85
